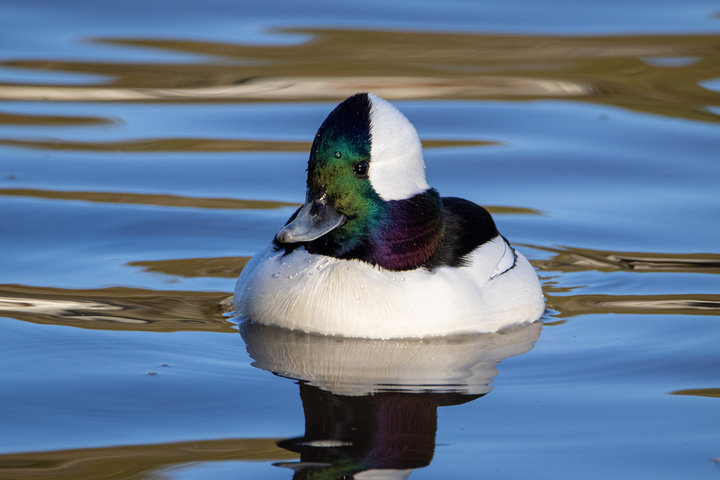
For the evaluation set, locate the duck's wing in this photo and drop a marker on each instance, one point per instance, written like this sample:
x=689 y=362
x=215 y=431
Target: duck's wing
x=467 y=227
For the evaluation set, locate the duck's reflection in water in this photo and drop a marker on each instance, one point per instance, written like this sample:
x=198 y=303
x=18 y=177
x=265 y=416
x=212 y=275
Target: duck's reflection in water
x=371 y=405
x=385 y=435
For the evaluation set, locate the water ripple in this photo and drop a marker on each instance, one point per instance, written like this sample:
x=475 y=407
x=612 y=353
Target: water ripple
x=573 y=259
x=135 y=461
x=675 y=304
x=195 y=144
x=443 y=66
x=146 y=199
x=115 y=308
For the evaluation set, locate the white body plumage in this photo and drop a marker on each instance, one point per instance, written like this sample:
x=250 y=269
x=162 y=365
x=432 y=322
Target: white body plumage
x=315 y=293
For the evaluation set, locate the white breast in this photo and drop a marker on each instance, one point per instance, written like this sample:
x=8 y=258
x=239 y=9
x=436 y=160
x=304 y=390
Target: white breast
x=315 y=293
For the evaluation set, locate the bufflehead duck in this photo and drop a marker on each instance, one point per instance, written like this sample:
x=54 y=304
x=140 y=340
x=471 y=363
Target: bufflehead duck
x=375 y=252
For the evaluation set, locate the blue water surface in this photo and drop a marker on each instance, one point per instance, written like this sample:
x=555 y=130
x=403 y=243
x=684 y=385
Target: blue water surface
x=147 y=149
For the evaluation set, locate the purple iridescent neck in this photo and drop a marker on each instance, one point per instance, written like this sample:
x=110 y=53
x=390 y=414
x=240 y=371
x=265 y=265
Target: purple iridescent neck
x=409 y=233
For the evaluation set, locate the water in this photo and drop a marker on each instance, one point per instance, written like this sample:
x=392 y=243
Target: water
x=148 y=149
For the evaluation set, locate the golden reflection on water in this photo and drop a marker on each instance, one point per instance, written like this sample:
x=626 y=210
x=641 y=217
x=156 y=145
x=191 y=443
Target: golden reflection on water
x=165 y=200
x=573 y=259
x=115 y=308
x=50 y=120
x=673 y=304
x=162 y=311
x=146 y=199
x=699 y=392
x=197 y=144
x=625 y=71
x=135 y=461
x=222 y=267
x=304 y=89
x=163 y=145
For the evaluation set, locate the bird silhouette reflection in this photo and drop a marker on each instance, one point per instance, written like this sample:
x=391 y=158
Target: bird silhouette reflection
x=371 y=405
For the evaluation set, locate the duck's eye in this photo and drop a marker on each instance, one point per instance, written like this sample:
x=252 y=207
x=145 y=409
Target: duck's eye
x=338 y=154
x=361 y=168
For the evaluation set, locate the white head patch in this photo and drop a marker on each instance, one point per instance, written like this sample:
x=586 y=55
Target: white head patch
x=397 y=169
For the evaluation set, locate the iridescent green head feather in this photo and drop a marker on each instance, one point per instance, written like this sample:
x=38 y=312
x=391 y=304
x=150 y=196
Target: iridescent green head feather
x=339 y=166
x=367 y=198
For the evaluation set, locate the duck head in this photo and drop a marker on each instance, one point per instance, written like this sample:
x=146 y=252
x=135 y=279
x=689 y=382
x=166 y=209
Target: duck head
x=365 y=186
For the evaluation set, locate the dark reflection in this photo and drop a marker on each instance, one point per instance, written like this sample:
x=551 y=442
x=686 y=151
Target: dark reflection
x=371 y=405
x=345 y=435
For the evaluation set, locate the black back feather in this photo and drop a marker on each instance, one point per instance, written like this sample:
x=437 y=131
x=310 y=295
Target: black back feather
x=467 y=226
